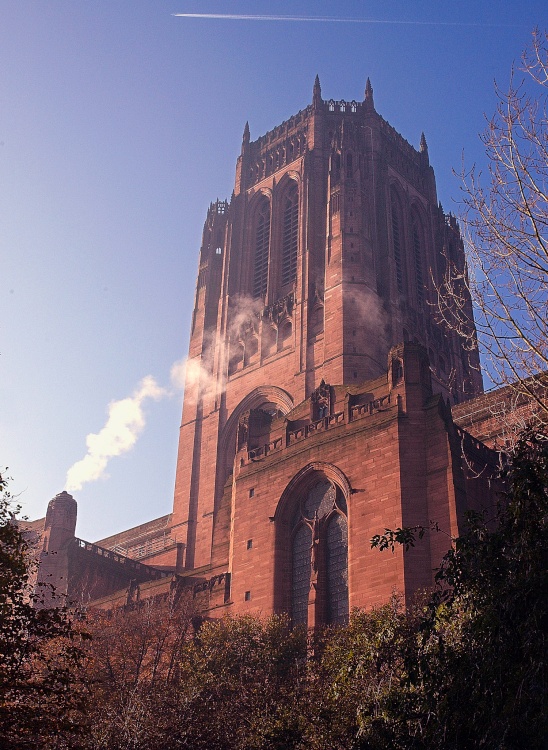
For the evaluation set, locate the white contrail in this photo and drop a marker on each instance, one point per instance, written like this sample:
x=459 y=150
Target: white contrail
x=330 y=19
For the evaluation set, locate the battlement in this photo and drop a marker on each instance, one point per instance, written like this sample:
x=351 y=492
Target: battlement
x=283 y=130
x=288 y=141
x=216 y=208
x=352 y=413
x=451 y=221
x=343 y=107
x=145 y=571
x=392 y=135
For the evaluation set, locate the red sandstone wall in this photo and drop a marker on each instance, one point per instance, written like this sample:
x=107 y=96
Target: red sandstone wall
x=346 y=311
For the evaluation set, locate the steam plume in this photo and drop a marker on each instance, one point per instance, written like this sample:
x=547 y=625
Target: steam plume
x=126 y=421
x=177 y=374
x=126 y=418
x=243 y=310
x=368 y=309
x=194 y=376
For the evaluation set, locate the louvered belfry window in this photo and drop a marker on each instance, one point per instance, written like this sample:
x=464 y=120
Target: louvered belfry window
x=397 y=238
x=320 y=552
x=417 y=254
x=262 y=247
x=290 y=234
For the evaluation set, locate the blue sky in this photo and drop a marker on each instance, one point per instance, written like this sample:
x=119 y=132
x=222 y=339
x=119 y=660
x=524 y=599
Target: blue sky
x=119 y=123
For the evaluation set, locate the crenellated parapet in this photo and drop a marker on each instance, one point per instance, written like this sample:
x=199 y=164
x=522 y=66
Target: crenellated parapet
x=290 y=127
x=343 y=107
x=337 y=420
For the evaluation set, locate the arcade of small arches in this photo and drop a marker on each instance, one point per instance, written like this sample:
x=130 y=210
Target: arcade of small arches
x=259 y=342
x=278 y=157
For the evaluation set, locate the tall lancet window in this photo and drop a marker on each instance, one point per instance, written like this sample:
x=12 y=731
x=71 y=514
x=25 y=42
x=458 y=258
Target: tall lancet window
x=417 y=257
x=319 y=556
x=290 y=234
x=337 y=569
x=262 y=247
x=397 y=239
x=301 y=565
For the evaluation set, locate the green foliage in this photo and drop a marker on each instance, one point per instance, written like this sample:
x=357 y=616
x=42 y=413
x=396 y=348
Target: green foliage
x=241 y=681
x=474 y=671
x=405 y=537
x=484 y=649
x=355 y=681
x=40 y=652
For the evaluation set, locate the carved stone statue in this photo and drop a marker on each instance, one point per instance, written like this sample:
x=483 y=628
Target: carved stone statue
x=243 y=430
x=321 y=401
x=315 y=543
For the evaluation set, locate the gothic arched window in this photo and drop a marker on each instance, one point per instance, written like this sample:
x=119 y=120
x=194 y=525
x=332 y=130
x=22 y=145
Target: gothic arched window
x=262 y=247
x=251 y=350
x=290 y=234
x=284 y=334
x=319 y=556
x=397 y=239
x=418 y=250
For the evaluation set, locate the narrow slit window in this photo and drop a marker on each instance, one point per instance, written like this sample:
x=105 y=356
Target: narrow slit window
x=349 y=165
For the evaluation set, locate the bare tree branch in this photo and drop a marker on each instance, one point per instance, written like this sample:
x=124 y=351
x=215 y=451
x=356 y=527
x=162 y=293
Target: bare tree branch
x=505 y=220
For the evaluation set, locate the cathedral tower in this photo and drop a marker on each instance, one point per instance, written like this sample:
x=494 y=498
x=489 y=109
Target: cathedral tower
x=326 y=257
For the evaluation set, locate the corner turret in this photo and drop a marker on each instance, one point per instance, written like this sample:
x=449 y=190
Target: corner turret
x=53 y=570
x=424 y=147
x=316 y=93
x=368 y=96
x=245 y=137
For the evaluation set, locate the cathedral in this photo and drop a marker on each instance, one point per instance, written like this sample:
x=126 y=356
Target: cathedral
x=324 y=400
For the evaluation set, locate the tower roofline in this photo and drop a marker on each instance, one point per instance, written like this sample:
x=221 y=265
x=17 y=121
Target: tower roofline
x=333 y=108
